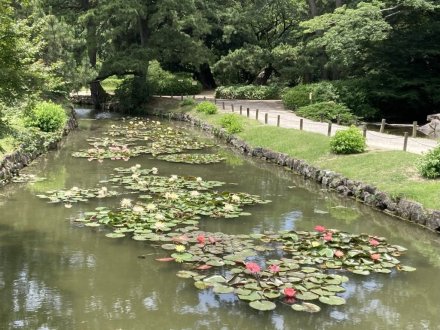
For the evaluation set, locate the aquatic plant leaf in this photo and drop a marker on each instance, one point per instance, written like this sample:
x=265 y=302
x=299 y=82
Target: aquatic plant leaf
x=262 y=305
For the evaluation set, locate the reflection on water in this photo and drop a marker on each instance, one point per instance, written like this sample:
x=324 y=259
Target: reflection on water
x=54 y=274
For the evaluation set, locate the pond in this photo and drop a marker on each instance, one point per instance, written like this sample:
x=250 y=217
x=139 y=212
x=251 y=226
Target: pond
x=56 y=273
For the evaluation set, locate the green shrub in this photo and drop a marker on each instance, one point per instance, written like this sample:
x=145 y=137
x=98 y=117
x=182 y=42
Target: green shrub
x=232 y=123
x=354 y=93
x=166 y=83
x=328 y=111
x=248 y=92
x=207 y=108
x=429 y=164
x=299 y=96
x=132 y=94
x=350 y=141
x=188 y=102
x=47 y=116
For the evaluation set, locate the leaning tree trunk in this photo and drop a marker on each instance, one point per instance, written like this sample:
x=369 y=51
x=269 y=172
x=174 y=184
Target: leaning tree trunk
x=264 y=76
x=206 y=77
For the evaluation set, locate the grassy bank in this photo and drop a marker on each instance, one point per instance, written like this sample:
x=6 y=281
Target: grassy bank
x=393 y=172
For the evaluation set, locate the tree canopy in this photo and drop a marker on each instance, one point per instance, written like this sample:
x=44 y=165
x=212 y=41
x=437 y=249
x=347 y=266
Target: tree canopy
x=392 y=46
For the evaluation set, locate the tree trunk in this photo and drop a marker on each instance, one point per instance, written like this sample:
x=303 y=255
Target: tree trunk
x=313 y=8
x=338 y=3
x=206 y=77
x=99 y=95
x=264 y=76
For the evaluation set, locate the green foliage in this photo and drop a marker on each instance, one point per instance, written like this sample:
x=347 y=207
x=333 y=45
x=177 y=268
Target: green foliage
x=349 y=141
x=111 y=83
x=188 y=102
x=132 y=94
x=206 y=108
x=248 y=92
x=429 y=165
x=166 y=83
x=354 y=93
x=327 y=111
x=302 y=95
x=232 y=123
x=47 y=116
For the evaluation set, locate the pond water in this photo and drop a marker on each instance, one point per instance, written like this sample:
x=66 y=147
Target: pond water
x=55 y=274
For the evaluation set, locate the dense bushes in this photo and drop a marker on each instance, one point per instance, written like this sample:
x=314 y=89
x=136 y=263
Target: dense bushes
x=132 y=94
x=232 y=123
x=327 y=111
x=207 y=108
x=354 y=94
x=47 y=116
x=348 y=141
x=188 y=102
x=429 y=164
x=302 y=95
x=248 y=92
x=166 y=83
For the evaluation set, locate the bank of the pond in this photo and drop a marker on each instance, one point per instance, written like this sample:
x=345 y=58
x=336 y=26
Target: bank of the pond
x=12 y=163
x=384 y=180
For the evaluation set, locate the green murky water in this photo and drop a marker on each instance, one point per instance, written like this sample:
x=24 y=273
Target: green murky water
x=55 y=274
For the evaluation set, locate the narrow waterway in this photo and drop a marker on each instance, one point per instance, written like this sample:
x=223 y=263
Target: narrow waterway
x=56 y=274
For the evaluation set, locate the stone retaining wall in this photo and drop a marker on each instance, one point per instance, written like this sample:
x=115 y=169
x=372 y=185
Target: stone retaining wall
x=370 y=195
x=11 y=164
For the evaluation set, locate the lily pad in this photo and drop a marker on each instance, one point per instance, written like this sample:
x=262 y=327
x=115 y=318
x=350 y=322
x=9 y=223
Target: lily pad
x=262 y=305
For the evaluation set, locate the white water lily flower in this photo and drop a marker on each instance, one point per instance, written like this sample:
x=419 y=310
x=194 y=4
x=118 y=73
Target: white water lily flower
x=68 y=205
x=125 y=203
x=159 y=216
x=171 y=196
x=151 y=207
x=131 y=123
x=154 y=170
x=159 y=225
x=113 y=126
x=195 y=193
x=75 y=189
x=228 y=207
x=199 y=179
x=138 y=209
x=138 y=165
x=235 y=198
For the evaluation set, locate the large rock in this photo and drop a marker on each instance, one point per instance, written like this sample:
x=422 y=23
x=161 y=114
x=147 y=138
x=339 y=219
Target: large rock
x=433 y=127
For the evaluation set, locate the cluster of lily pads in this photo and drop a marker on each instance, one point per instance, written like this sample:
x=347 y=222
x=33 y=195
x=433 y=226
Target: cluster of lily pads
x=137 y=137
x=75 y=195
x=192 y=158
x=27 y=178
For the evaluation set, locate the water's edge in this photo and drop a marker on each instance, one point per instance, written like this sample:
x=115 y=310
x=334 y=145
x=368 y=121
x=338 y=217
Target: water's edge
x=12 y=163
x=365 y=193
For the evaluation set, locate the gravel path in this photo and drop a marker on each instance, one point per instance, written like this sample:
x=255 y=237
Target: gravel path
x=375 y=140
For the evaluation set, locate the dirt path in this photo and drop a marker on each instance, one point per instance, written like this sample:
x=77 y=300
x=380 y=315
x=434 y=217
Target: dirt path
x=275 y=108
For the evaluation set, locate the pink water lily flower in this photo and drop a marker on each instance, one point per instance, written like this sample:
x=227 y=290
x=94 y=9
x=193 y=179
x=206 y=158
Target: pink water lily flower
x=274 y=268
x=253 y=267
x=201 y=239
x=375 y=256
x=320 y=229
x=339 y=254
x=289 y=292
x=374 y=242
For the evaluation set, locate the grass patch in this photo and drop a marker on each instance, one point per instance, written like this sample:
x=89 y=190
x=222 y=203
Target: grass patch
x=393 y=172
x=7 y=145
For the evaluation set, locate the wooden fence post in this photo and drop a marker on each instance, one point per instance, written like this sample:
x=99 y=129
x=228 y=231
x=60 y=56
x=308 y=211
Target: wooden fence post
x=266 y=118
x=223 y=105
x=181 y=97
x=414 y=131
x=256 y=114
x=329 y=130
x=405 y=141
x=382 y=125
x=301 y=124
x=232 y=107
x=278 y=120
x=247 y=112
x=364 y=131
